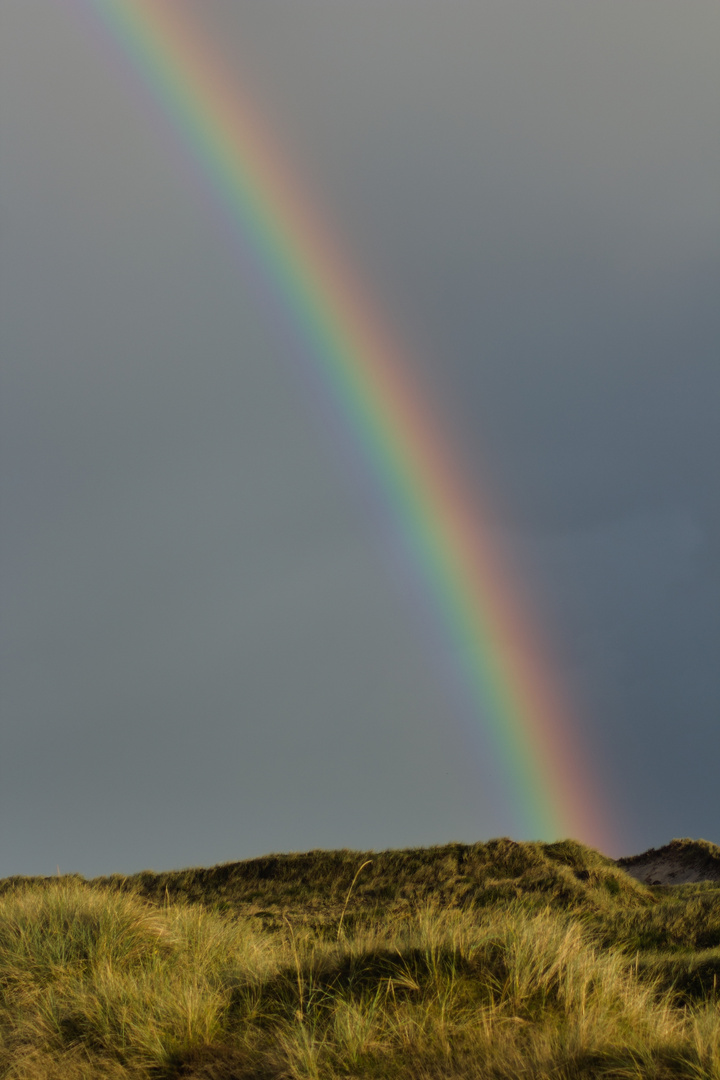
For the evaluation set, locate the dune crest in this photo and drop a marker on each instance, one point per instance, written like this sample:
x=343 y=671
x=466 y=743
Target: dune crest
x=678 y=863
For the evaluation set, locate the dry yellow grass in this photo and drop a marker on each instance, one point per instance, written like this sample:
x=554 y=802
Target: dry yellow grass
x=100 y=982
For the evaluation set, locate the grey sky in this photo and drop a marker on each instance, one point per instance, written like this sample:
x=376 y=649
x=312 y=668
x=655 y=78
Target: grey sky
x=206 y=652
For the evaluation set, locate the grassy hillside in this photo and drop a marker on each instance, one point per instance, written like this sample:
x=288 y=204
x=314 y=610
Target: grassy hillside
x=498 y=960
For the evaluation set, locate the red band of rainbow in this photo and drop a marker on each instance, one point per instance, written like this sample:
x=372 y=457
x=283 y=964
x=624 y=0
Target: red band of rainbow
x=516 y=700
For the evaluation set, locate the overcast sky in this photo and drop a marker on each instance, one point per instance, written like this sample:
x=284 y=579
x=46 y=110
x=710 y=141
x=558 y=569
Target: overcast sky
x=207 y=653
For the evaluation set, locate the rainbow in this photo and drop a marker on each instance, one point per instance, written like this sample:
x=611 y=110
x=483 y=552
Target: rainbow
x=392 y=422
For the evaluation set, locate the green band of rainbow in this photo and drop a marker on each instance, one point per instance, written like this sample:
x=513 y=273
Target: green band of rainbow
x=490 y=637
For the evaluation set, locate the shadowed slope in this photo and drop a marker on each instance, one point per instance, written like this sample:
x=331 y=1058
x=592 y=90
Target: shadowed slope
x=315 y=884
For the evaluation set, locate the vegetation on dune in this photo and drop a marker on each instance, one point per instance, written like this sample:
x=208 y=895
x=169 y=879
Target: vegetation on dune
x=496 y=960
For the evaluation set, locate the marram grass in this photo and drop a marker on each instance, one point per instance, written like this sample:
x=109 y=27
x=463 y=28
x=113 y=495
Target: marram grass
x=305 y=968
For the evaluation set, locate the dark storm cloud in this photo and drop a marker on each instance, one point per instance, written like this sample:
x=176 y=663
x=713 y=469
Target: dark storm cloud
x=205 y=653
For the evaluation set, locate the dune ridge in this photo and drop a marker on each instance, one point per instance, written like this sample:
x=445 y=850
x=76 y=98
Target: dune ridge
x=681 y=862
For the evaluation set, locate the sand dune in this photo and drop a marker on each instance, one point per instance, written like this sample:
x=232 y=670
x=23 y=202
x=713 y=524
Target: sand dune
x=678 y=863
